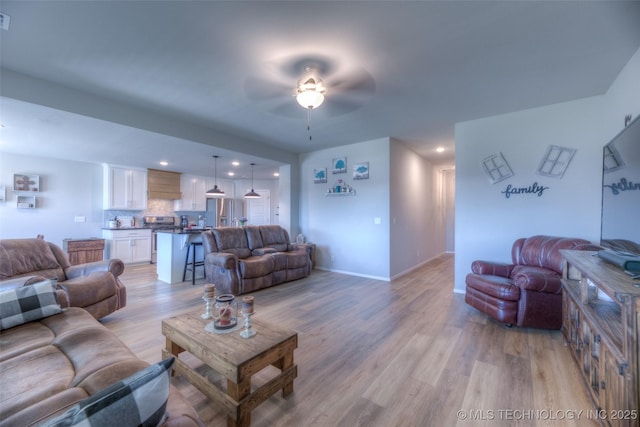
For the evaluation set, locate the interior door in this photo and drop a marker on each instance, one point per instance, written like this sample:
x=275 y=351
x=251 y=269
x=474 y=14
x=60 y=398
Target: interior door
x=259 y=210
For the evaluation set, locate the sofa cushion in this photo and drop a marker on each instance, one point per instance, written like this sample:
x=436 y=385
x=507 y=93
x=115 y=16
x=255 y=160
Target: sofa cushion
x=274 y=236
x=26 y=256
x=256 y=266
x=232 y=240
x=27 y=303
x=139 y=400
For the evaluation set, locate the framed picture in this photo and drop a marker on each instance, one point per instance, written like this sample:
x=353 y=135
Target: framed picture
x=26 y=182
x=320 y=176
x=340 y=165
x=361 y=170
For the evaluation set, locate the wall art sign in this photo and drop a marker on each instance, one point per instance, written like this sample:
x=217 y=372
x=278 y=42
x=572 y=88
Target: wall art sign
x=532 y=189
x=555 y=161
x=496 y=168
x=623 y=185
x=361 y=170
x=340 y=165
x=320 y=176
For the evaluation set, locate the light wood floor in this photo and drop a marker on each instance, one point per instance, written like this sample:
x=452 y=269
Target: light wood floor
x=373 y=353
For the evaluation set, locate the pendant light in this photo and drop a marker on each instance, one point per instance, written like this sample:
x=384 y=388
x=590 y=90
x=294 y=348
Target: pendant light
x=252 y=194
x=215 y=191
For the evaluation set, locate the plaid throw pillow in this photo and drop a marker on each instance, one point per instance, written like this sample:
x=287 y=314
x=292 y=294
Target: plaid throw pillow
x=140 y=400
x=27 y=303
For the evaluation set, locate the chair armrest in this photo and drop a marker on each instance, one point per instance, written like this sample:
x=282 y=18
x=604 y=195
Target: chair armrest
x=539 y=281
x=493 y=268
x=114 y=266
x=87 y=290
x=222 y=260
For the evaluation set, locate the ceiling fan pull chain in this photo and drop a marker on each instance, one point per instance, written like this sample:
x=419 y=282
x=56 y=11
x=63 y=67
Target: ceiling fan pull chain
x=309 y=122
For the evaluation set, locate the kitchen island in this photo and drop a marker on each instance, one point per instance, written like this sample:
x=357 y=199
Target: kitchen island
x=172 y=246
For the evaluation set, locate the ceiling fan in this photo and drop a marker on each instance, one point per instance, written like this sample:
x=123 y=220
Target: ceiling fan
x=314 y=81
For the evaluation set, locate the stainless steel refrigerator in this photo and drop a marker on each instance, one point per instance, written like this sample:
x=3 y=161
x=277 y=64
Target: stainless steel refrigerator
x=219 y=212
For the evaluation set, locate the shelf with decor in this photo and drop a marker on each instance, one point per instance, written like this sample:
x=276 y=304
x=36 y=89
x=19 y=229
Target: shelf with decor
x=26 y=202
x=348 y=192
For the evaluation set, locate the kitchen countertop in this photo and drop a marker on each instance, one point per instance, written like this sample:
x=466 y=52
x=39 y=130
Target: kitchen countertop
x=126 y=228
x=187 y=231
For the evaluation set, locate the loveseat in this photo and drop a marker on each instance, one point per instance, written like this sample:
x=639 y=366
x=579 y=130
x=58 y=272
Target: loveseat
x=239 y=260
x=93 y=286
x=526 y=292
x=58 y=361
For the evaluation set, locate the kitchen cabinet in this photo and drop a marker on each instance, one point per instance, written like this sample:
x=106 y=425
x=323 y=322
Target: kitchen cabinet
x=172 y=254
x=124 y=188
x=131 y=246
x=193 y=190
x=600 y=323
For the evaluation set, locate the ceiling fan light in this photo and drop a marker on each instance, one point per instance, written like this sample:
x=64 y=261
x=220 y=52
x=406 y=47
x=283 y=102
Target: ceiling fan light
x=310 y=98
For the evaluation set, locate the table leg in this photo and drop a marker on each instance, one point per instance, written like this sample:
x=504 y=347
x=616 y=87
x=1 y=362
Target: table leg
x=237 y=392
x=173 y=349
x=283 y=364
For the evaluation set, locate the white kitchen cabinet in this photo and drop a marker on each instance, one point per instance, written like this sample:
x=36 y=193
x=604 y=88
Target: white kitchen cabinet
x=193 y=190
x=131 y=246
x=125 y=188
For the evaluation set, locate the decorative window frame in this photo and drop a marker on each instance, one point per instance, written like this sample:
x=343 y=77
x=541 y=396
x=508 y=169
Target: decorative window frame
x=555 y=161
x=496 y=168
x=612 y=159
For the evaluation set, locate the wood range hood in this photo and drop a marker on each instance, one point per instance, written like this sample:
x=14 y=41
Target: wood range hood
x=163 y=184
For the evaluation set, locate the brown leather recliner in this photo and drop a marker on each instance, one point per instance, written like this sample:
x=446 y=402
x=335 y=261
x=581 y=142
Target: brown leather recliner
x=527 y=292
x=93 y=286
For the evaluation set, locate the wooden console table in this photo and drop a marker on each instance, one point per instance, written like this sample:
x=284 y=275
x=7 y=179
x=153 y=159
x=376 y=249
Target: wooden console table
x=237 y=359
x=84 y=250
x=600 y=323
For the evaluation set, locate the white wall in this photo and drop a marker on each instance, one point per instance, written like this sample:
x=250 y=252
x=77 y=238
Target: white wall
x=417 y=223
x=343 y=227
x=486 y=222
x=68 y=189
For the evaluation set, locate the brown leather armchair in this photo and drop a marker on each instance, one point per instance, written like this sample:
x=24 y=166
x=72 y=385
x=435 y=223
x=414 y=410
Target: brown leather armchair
x=528 y=291
x=93 y=286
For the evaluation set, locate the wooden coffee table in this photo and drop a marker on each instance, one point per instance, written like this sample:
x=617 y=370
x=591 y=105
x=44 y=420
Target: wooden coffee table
x=236 y=358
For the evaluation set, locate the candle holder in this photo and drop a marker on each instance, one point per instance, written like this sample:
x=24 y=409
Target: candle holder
x=248 y=332
x=207 y=314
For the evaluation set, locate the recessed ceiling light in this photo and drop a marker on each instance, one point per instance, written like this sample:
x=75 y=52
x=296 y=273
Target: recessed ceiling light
x=276 y=174
x=230 y=173
x=163 y=163
x=440 y=149
x=235 y=163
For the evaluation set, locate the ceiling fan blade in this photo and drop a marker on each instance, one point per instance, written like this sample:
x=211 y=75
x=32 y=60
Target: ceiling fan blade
x=260 y=89
x=355 y=82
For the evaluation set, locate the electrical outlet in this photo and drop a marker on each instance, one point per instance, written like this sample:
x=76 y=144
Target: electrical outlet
x=377 y=221
x=80 y=219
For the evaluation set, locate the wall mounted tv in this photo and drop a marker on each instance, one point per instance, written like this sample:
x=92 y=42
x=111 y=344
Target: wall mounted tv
x=621 y=191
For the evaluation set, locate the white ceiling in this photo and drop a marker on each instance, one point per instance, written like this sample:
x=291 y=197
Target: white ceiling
x=403 y=69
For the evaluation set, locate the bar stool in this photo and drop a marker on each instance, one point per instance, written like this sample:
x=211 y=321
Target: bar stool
x=191 y=266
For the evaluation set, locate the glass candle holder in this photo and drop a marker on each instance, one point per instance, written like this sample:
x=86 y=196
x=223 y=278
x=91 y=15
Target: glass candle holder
x=225 y=312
